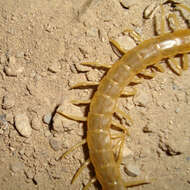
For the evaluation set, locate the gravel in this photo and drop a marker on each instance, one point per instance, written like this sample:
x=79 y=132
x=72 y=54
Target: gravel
x=47 y=118
x=22 y=124
x=132 y=170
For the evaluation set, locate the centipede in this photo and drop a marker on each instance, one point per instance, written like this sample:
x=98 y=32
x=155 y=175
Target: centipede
x=103 y=104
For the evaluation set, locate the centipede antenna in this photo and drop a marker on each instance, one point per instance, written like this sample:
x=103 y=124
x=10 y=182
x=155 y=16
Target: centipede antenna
x=72 y=149
x=85 y=164
x=72 y=117
x=89 y=183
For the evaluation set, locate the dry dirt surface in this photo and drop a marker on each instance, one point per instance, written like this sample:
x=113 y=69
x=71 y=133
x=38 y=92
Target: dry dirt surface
x=42 y=43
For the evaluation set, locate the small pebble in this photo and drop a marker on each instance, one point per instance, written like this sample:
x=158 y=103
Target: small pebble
x=29 y=173
x=55 y=67
x=22 y=124
x=146 y=129
x=132 y=170
x=92 y=32
x=47 y=133
x=12 y=60
x=36 y=124
x=81 y=68
x=47 y=118
x=13 y=68
x=142 y=99
x=10 y=71
x=8 y=101
x=3 y=121
x=103 y=35
x=63 y=124
x=3 y=59
x=55 y=143
x=177 y=110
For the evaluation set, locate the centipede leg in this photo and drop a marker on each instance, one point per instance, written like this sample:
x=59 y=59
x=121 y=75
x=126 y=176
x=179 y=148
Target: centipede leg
x=115 y=147
x=98 y=65
x=72 y=149
x=127 y=93
x=78 y=102
x=72 y=117
x=175 y=20
x=145 y=73
x=134 y=35
x=116 y=136
x=136 y=183
x=163 y=22
x=116 y=124
x=116 y=44
x=174 y=65
x=85 y=84
x=119 y=159
x=185 y=62
x=159 y=67
x=124 y=115
x=183 y=6
x=136 y=80
x=85 y=164
x=89 y=183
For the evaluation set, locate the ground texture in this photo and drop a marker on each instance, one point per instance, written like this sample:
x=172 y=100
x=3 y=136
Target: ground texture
x=42 y=44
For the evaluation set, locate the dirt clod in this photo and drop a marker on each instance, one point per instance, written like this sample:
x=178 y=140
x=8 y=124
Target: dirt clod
x=8 y=101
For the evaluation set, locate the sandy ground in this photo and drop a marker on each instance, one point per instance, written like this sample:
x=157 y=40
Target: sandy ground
x=42 y=44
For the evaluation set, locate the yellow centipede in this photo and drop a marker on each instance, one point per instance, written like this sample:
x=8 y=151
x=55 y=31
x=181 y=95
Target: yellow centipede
x=104 y=102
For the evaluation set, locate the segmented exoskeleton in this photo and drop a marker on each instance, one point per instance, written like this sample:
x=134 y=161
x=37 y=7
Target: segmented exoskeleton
x=104 y=102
